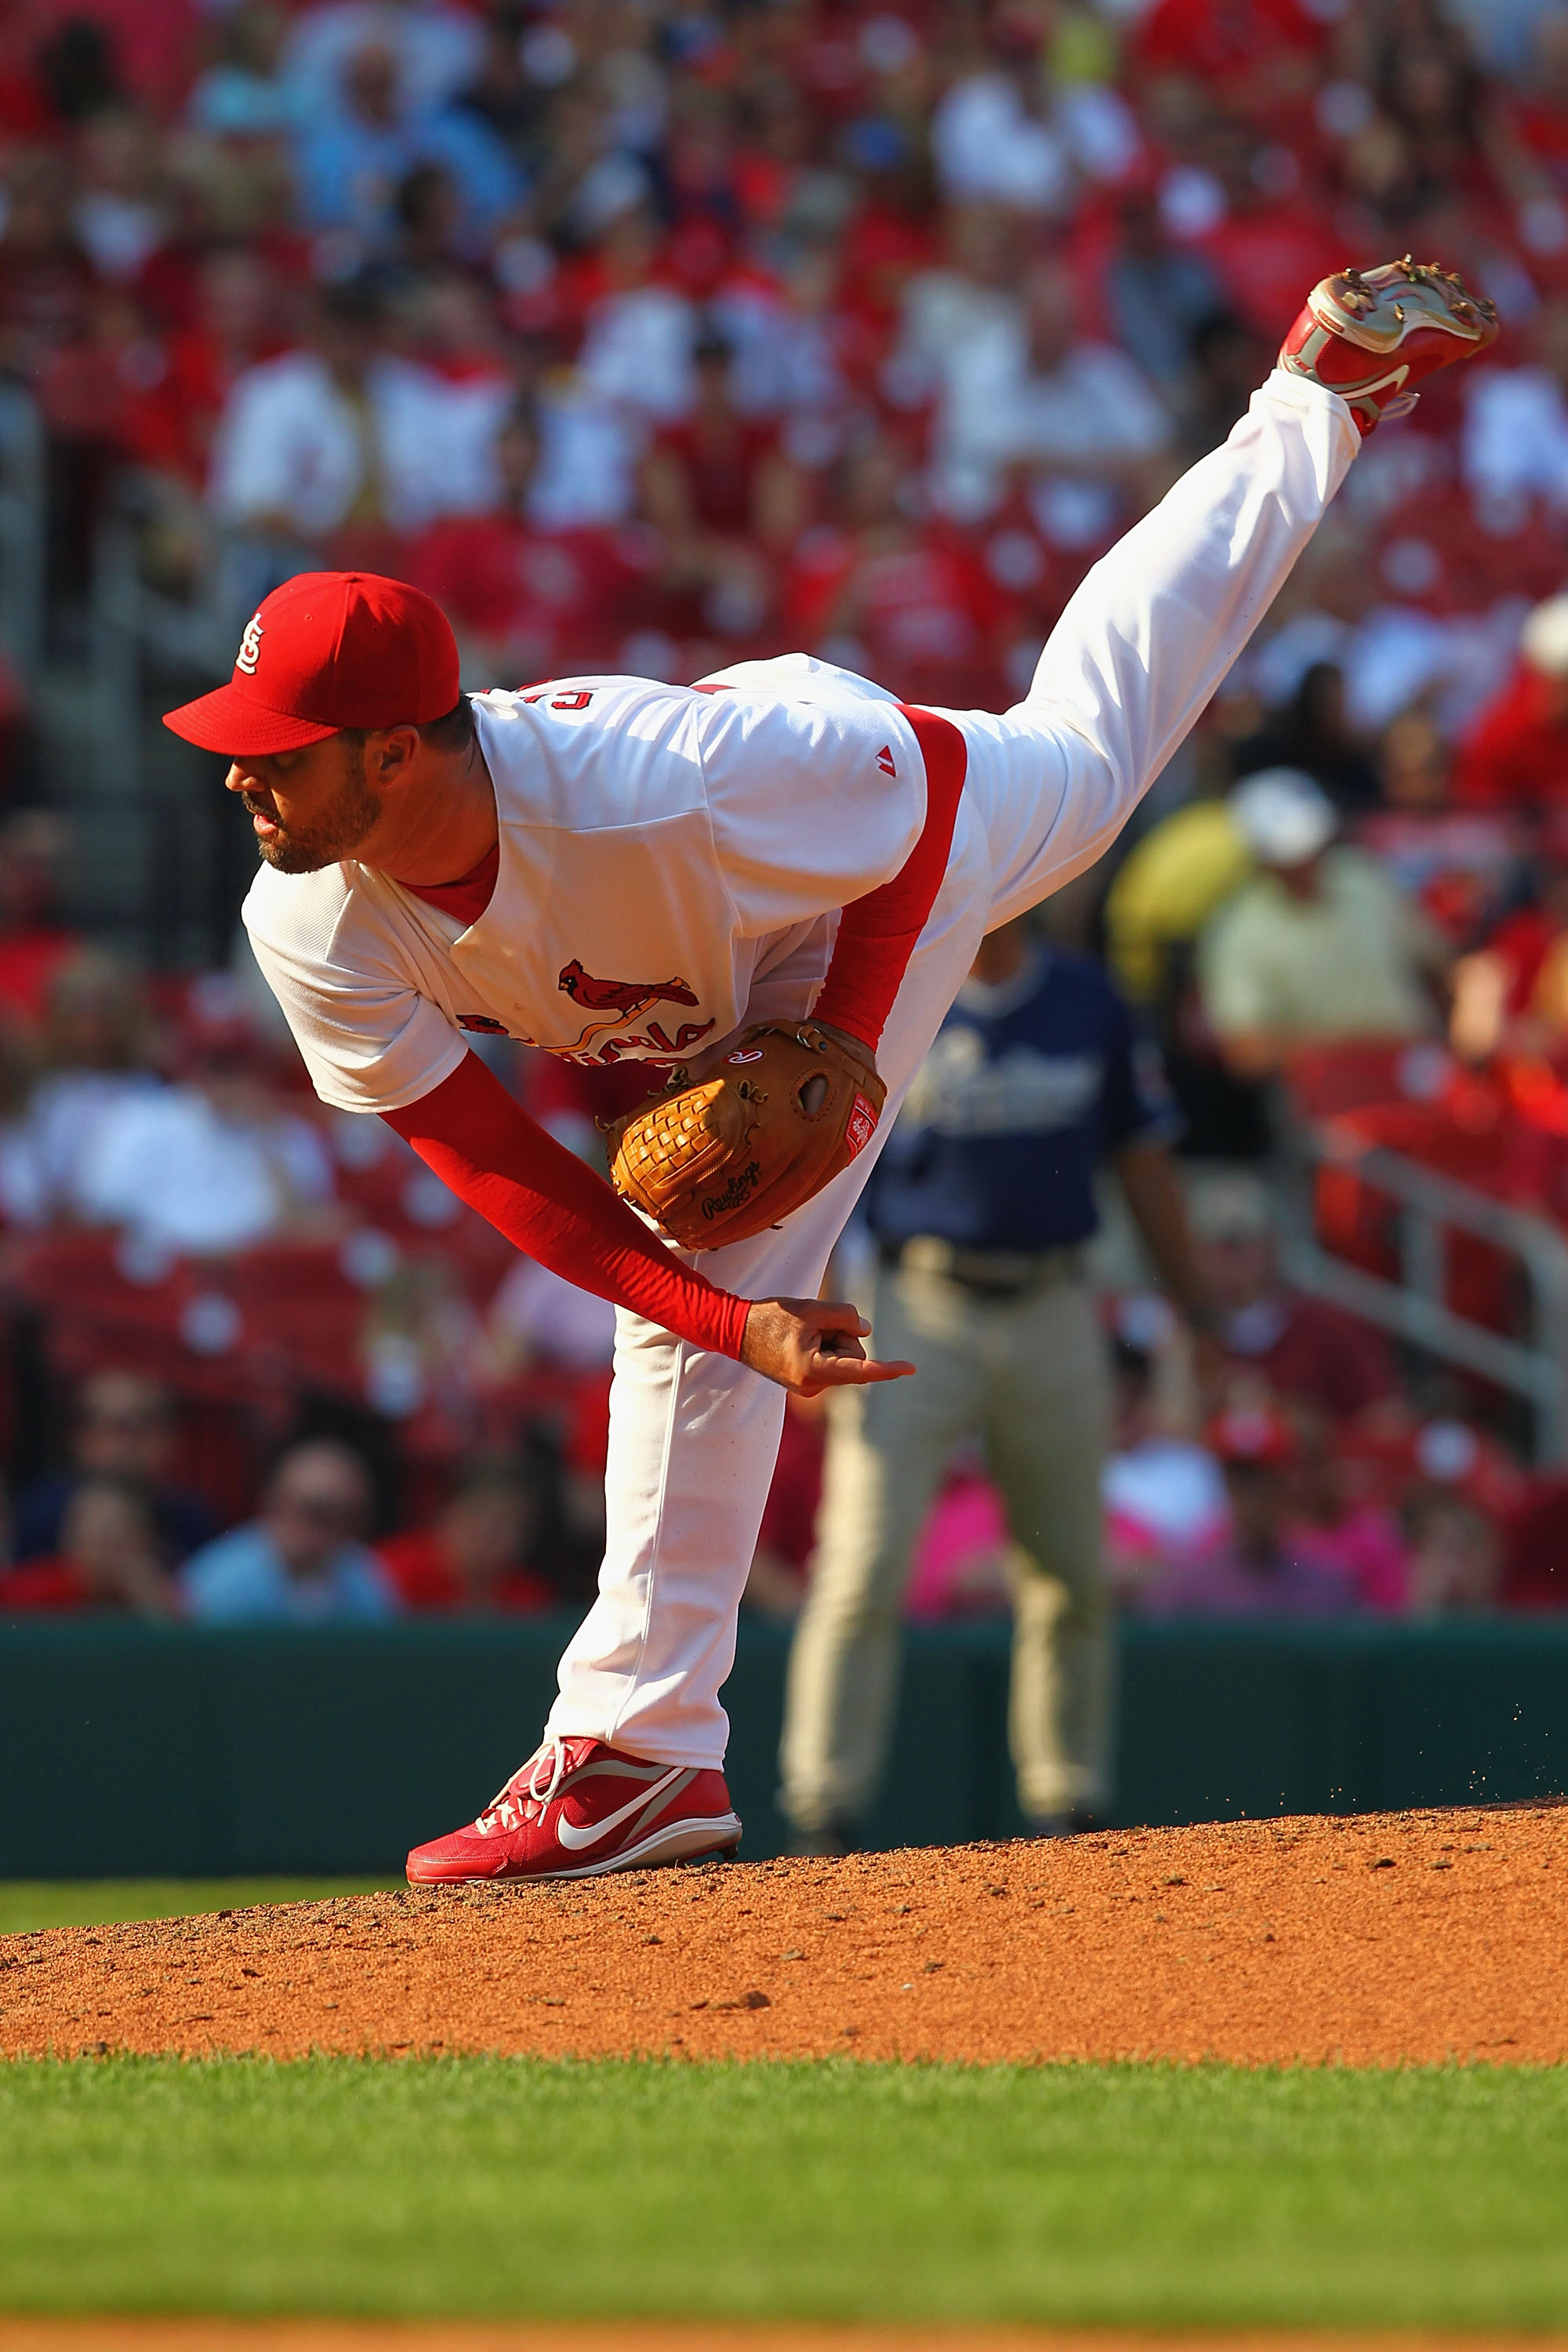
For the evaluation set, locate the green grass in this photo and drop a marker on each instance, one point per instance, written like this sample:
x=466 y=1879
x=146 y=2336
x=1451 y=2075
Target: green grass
x=1073 y=2193
x=29 y=1903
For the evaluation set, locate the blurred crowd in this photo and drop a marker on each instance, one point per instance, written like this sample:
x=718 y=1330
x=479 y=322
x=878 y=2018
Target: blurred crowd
x=652 y=334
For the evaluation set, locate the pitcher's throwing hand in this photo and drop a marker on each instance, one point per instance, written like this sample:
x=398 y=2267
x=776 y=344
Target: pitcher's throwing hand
x=811 y=1344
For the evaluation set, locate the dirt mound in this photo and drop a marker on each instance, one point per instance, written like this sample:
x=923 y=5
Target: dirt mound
x=1407 y=1935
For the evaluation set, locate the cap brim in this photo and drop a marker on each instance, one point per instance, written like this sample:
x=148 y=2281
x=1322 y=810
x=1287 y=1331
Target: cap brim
x=1298 y=847
x=227 y=720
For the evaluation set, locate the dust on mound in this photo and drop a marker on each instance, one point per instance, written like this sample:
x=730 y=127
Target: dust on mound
x=1367 y=1941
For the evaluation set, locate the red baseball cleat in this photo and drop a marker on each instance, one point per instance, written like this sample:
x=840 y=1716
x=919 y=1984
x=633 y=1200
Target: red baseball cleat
x=579 y=1809
x=1370 y=334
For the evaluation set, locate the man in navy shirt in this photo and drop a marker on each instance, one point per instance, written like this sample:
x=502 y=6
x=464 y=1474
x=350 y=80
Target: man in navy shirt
x=981 y=1206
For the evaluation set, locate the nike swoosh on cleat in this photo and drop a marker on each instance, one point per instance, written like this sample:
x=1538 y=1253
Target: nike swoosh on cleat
x=575 y=1839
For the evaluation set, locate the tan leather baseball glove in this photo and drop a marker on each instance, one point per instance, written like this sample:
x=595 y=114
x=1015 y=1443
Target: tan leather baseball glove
x=785 y=1111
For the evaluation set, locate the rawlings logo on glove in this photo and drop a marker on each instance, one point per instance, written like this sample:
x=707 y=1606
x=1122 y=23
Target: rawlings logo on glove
x=783 y=1114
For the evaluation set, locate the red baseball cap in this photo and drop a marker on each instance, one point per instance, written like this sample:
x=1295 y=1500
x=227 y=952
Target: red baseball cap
x=1251 y=1435
x=329 y=649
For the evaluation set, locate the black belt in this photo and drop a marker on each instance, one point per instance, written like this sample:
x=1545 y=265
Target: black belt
x=995 y=1273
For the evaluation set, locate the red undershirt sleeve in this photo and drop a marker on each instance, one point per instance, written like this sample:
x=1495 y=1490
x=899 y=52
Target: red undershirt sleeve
x=877 y=934
x=472 y=1135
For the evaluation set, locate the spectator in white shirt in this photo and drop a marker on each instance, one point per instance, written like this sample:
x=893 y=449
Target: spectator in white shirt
x=963 y=331
x=346 y=431
x=538 y=1317
x=1072 y=413
x=1516 y=423
x=991 y=147
x=1025 y=395
x=95 y=1067
x=217 y=1163
x=640 y=335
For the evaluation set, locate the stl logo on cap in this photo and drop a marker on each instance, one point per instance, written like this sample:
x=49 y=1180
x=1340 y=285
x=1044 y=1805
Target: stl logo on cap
x=343 y=650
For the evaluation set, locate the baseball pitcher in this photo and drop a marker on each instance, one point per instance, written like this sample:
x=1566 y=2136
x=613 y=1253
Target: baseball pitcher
x=770 y=885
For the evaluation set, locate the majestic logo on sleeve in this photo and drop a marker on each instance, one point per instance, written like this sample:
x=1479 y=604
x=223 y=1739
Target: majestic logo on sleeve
x=619 y=1002
x=250 y=652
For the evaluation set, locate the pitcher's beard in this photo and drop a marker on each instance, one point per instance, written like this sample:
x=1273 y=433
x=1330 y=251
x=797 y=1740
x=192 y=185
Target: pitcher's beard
x=337 y=833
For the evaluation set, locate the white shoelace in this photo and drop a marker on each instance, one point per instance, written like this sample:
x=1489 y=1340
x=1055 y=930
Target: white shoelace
x=522 y=1799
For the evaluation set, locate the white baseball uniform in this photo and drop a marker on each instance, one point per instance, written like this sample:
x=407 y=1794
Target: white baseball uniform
x=673 y=863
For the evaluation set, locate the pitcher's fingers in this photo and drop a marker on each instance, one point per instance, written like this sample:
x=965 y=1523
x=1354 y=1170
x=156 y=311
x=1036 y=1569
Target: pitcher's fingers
x=837 y=1315
x=848 y=1371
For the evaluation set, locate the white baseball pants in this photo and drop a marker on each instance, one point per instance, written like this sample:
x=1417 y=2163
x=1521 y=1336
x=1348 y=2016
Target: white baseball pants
x=1130 y=667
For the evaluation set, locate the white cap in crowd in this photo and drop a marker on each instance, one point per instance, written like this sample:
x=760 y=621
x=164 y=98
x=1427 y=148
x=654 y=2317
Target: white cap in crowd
x=1227 y=1205
x=1283 y=816
x=1544 y=638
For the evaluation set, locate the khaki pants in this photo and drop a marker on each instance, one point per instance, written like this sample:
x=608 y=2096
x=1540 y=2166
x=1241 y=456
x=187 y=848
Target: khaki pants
x=1030 y=1377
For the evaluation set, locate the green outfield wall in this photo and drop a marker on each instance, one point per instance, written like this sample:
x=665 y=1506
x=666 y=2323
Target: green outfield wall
x=129 y=1749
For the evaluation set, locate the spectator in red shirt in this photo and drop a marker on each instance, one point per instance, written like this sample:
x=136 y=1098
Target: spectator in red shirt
x=1510 y=994
x=238 y=324
x=1339 y=1527
x=1270 y=234
x=777 y=1585
x=1456 y=1562
x=473 y=1557
x=907 y=603
x=108 y=1559
x=1515 y=757
x=527 y=602
x=1295 y=1346
x=34 y=946
x=1535 y=1548
x=1540 y=109
x=1236 y=46
x=726 y=501
x=46 y=279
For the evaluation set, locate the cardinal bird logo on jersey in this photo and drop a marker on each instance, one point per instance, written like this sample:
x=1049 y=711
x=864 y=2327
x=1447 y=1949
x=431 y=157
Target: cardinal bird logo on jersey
x=618 y=1001
x=626 y=997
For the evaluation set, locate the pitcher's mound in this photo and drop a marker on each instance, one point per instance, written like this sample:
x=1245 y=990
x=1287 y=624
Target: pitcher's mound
x=1387 y=1936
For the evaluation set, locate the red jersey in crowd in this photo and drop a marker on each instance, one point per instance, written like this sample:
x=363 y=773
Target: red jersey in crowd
x=1226 y=40
x=1439 y=555
x=557 y=601
x=789 y=1516
x=1516 y=755
x=426 y=1580
x=171 y=425
x=1310 y=1350
x=1263 y=258
x=720 y=469
x=46 y=1587
x=924 y=615
x=46 y=299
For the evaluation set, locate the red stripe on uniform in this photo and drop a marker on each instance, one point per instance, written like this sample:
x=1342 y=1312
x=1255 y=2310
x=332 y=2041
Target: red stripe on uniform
x=877 y=934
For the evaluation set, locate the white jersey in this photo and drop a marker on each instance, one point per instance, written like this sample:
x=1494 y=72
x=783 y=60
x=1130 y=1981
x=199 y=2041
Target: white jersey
x=670 y=861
